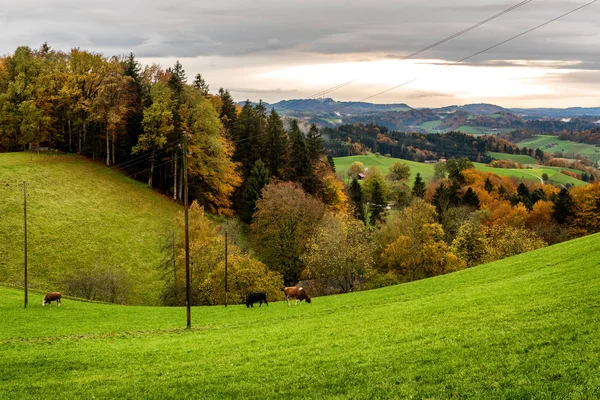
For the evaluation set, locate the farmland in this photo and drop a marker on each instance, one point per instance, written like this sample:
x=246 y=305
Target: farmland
x=552 y=144
x=521 y=327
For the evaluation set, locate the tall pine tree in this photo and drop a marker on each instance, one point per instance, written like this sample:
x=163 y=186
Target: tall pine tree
x=418 y=189
x=277 y=143
x=357 y=200
x=564 y=206
x=299 y=169
x=228 y=113
x=259 y=177
x=378 y=204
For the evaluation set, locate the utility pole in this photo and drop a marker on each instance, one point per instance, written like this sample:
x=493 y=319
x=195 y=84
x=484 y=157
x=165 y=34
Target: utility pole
x=225 y=267
x=187 y=232
x=25 y=238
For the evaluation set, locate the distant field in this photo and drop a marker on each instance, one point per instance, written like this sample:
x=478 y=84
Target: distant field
x=566 y=146
x=521 y=159
x=520 y=328
x=432 y=126
x=81 y=215
x=533 y=174
x=426 y=170
x=482 y=130
x=383 y=164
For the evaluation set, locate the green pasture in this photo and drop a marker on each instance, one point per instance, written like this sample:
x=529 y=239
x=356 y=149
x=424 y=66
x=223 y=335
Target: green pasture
x=80 y=216
x=520 y=328
x=566 y=146
x=383 y=164
x=521 y=159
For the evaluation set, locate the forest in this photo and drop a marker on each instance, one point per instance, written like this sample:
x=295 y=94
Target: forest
x=271 y=181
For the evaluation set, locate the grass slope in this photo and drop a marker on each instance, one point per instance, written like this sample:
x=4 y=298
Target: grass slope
x=520 y=158
x=383 y=164
x=566 y=146
x=523 y=327
x=80 y=214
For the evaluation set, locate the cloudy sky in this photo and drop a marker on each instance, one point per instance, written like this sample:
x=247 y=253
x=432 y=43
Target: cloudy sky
x=283 y=49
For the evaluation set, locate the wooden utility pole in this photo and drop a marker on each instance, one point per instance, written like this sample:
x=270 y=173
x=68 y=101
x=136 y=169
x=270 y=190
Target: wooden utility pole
x=225 y=267
x=187 y=232
x=25 y=238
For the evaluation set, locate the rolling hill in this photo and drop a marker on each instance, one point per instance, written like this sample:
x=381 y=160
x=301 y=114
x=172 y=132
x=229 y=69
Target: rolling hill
x=82 y=218
x=523 y=327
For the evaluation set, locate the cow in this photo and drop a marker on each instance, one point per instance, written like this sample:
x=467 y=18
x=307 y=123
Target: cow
x=256 y=297
x=50 y=297
x=297 y=293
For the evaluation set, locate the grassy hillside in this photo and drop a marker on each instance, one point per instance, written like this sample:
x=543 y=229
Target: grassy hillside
x=520 y=158
x=81 y=216
x=383 y=163
x=544 y=142
x=523 y=327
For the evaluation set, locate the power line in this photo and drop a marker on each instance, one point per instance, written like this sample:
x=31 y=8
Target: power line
x=290 y=106
x=479 y=52
x=129 y=163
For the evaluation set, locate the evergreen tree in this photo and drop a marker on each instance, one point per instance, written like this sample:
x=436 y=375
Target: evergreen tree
x=418 y=189
x=563 y=207
x=314 y=144
x=299 y=169
x=331 y=162
x=488 y=186
x=200 y=84
x=377 y=205
x=228 y=113
x=471 y=199
x=441 y=200
x=133 y=121
x=357 y=200
x=277 y=142
x=259 y=177
x=245 y=135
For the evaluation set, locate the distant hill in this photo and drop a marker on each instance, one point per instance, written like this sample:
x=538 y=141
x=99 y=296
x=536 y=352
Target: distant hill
x=558 y=112
x=477 y=109
x=328 y=105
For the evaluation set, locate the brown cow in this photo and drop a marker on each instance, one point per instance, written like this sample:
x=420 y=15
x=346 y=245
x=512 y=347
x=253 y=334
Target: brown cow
x=297 y=293
x=50 y=297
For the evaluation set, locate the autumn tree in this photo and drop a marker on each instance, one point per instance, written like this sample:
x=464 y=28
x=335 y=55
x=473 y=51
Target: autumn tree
x=285 y=218
x=339 y=251
x=398 y=171
x=470 y=244
x=355 y=168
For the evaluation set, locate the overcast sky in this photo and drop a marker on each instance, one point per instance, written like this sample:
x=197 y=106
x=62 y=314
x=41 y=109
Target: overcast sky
x=282 y=49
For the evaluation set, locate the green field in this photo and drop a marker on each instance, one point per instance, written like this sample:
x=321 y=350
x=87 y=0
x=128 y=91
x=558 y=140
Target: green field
x=432 y=126
x=426 y=170
x=521 y=159
x=533 y=174
x=566 y=146
x=524 y=327
x=482 y=130
x=383 y=164
x=81 y=216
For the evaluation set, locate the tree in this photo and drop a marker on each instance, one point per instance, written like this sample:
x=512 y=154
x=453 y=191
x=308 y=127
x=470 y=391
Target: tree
x=357 y=200
x=470 y=244
x=455 y=168
x=157 y=123
x=228 y=112
x=418 y=189
x=299 y=169
x=285 y=218
x=471 y=199
x=200 y=84
x=378 y=204
x=488 y=186
x=355 y=168
x=372 y=176
x=314 y=144
x=439 y=171
x=277 y=144
x=398 y=171
x=506 y=241
x=339 y=250
x=259 y=177
x=564 y=207
x=411 y=243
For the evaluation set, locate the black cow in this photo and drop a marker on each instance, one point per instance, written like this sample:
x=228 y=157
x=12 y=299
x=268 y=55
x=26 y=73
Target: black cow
x=256 y=297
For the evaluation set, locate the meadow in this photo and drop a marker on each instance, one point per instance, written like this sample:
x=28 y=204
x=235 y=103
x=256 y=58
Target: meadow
x=566 y=146
x=426 y=170
x=520 y=158
x=81 y=216
x=522 y=327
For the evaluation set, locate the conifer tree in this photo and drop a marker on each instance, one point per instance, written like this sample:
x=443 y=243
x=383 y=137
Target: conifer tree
x=245 y=136
x=488 y=186
x=277 y=142
x=299 y=163
x=564 y=206
x=259 y=177
x=200 y=84
x=228 y=113
x=377 y=206
x=314 y=144
x=357 y=200
x=471 y=199
x=418 y=189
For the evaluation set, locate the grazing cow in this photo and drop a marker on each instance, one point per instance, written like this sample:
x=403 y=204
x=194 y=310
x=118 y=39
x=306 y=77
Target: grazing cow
x=297 y=293
x=256 y=297
x=50 y=297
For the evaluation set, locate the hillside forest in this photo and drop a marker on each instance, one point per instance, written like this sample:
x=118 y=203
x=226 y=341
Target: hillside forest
x=271 y=181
